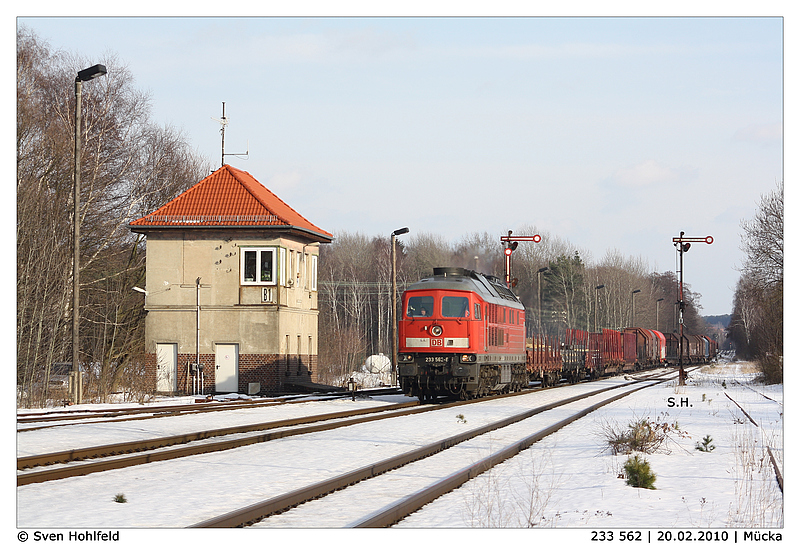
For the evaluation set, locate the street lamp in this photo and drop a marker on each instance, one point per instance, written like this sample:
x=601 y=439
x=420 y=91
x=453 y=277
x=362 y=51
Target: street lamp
x=84 y=75
x=539 y=282
x=657 y=302
x=601 y=286
x=633 y=305
x=395 y=234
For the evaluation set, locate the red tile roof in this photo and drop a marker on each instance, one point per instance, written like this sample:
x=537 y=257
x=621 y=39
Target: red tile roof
x=229 y=197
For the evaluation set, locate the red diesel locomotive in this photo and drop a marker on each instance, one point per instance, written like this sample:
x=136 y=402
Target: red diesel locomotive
x=461 y=334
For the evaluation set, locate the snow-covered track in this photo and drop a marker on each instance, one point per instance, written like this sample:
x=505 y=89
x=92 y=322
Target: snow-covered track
x=738 y=383
x=292 y=427
x=38 y=420
x=119 y=455
x=778 y=475
x=388 y=515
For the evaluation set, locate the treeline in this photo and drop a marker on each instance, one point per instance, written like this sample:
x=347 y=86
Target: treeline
x=129 y=166
x=756 y=325
x=559 y=284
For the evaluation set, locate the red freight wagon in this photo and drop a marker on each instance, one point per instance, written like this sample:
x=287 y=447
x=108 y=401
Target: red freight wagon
x=650 y=346
x=544 y=360
x=574 y=354
x=606 y=355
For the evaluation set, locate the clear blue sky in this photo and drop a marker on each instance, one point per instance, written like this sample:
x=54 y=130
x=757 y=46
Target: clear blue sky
x=607 y=132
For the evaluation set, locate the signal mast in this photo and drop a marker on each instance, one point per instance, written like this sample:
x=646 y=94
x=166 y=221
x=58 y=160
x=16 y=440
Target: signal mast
x=510 y=244
x=683 y=244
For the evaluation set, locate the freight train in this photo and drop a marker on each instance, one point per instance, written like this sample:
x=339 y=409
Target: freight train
x=462 y=334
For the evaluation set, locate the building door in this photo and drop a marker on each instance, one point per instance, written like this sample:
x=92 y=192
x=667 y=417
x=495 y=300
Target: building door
x=226 y=360
x=166 y=367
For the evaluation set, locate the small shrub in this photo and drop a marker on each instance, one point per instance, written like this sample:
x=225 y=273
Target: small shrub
x=642 y=435
x=120 y=498
x=638 y=473
x=706 y=445
x=460 y=418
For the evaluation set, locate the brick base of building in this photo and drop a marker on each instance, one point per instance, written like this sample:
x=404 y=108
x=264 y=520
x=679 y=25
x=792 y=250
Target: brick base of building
x=273 y=372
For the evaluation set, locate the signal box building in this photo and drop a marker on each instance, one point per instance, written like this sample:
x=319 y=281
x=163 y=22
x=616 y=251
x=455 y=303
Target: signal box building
x=231 y=289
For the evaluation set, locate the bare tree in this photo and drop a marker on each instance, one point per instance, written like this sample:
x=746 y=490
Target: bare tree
x=426 y=251
x=762 y=240
x=756 y=325
x=128 y=167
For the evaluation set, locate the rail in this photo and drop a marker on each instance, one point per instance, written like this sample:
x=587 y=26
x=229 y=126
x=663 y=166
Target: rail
x=63 y=457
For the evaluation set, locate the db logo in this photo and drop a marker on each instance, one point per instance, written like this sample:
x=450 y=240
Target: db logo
x=437 y=342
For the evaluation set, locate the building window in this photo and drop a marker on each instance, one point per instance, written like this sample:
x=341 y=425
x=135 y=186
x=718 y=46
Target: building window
x=282 y=265
x=258 y=266
x=299 y=269
x=314 y=260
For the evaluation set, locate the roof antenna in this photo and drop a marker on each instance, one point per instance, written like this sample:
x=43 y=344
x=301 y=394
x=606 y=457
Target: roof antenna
x=224 y=123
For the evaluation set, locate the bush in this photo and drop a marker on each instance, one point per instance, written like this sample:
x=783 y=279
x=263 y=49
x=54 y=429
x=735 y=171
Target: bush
x=642 y=435
x=638 y=473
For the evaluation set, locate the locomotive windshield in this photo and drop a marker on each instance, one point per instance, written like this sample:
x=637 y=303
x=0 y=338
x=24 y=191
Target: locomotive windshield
x=455 y=307
x=420 y=306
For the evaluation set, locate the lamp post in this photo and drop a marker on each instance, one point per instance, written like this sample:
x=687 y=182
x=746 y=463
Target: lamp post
x=77 y=387
x=395 y=234
x=539 y=282
x=657 y=302
x=633 y=305
x=601 y=286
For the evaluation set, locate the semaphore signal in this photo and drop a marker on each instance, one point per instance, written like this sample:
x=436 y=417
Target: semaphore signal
x=511 y=243
x=683 y=243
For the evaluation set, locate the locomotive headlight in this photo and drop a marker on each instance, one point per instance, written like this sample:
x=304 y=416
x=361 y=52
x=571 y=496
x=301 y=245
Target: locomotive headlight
x=468 y=358
x=436 y=330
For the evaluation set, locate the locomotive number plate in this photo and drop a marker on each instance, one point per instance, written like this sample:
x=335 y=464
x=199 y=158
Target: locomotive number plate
x=436 y=359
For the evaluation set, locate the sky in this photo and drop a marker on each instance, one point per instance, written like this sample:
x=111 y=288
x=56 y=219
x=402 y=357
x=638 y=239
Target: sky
x=613 y=133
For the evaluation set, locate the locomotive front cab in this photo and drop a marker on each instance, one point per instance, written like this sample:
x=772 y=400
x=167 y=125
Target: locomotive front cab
x=438 y=341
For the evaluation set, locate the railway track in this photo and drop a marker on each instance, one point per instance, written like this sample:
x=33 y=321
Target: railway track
x=123 y=414
x=151 y=450
x=85 y=461
x=399 y=508
x=759 y=393
x=773 y=462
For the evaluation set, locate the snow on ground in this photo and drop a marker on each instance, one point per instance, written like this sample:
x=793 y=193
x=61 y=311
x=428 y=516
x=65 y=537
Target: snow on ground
x=108 y=430
x=568 y=480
